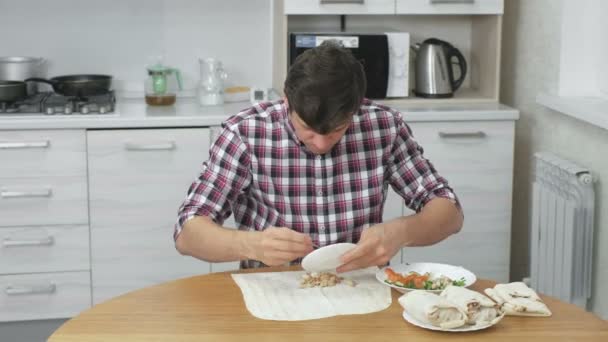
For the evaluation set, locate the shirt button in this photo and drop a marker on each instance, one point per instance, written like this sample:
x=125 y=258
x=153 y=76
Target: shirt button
x=322 y=228
x=319 y=157
x=320 y=192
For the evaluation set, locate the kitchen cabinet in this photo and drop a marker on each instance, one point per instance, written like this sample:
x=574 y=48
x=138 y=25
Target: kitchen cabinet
x=137 y=180
x=474 y=27
x=117 y=237
x=366 y=7
x=449 y=7
x=476 y=158
x=44 y=232
x=339 y=7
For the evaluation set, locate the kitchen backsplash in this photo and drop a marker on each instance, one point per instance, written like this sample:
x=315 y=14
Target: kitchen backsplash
x=118 y=37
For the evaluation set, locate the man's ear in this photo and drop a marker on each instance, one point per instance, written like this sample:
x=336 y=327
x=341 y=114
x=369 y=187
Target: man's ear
x=285 y=100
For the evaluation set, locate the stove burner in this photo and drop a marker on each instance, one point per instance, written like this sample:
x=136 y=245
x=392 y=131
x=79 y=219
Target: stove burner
x=8 y=107
x=50 y=103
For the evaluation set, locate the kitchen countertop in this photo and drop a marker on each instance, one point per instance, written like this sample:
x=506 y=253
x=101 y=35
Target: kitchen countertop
x=134 y=113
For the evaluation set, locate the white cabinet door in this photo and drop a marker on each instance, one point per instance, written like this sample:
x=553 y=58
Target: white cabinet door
x=339 y=7
x=44 y=249
x=449 y=6
x=137 y=180
x=477 y=160
x=44 y=295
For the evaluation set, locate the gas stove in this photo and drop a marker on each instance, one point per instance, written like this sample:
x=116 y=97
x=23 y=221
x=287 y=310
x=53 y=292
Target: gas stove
x=50 y=103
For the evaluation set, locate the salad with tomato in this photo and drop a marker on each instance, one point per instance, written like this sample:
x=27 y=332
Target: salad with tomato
x=415 y=280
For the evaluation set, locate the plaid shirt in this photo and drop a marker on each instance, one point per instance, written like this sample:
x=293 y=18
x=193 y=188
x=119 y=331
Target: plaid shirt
x=259 y=171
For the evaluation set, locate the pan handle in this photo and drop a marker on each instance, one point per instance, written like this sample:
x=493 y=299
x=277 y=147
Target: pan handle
x=43 y=80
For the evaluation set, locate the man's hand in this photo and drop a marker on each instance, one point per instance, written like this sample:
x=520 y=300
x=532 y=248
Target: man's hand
x=276 y=246
x=376 y=246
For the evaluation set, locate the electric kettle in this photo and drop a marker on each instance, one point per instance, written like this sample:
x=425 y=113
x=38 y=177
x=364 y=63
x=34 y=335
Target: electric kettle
x=434 y=72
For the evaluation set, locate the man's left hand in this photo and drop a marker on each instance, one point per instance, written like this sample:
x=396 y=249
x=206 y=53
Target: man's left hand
x=376 y=247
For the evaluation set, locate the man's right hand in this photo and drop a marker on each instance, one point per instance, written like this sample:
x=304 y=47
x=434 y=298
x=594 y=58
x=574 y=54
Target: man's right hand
x=277 y=246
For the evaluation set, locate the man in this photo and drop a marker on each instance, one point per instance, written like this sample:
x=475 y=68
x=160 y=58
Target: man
x=313 y=169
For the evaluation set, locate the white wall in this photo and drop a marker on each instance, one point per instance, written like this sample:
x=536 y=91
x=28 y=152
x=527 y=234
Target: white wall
x=603 y=56
x=531 y=64
x=116 y=37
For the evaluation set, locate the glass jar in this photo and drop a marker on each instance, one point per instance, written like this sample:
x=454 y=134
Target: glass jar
x=211 y=84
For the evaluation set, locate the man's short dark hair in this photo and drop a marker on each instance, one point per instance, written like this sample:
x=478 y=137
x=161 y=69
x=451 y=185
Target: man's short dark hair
x=325 y=86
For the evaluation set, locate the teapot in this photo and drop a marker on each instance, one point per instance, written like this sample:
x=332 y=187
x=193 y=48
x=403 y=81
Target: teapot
x=160 y=88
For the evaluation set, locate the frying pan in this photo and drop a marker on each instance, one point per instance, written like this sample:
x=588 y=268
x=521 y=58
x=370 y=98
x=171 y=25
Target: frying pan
x=11 y=91
x=77 y=85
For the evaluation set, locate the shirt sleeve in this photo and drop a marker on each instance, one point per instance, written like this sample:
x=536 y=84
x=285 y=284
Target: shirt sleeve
x=413 y=176
x=224 y=175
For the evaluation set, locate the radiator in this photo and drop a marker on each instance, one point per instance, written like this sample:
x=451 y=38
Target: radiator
x=561 y=235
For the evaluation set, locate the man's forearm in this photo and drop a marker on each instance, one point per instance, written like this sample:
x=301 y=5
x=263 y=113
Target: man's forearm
x=438 y=219
x=204 y=239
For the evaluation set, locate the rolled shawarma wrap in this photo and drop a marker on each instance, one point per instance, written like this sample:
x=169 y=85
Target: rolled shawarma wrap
x=480 y=309
x=432 y=309
x=517 y=299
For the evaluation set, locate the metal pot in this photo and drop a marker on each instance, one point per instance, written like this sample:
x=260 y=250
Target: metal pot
x=11 y=91
x=78 y=85
x=20 y=68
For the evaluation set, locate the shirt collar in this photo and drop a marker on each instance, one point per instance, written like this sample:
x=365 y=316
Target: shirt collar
x=288 y=124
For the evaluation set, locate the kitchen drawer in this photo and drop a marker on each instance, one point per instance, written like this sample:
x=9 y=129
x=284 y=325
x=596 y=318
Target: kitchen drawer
x=42 y=153
x=44 y=295
x=44 y=249
x=127 y=257
x=43 y=201
x=469 y=153
x=449 y=6
x=339 y=7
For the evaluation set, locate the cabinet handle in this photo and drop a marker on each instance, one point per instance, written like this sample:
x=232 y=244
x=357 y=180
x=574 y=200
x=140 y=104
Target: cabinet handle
x=47 y=241
x=21 y=194
x=438 y=2
x=25 y=144
x=170 y=145
x=332 y=2
x=25 y=290
x=462 y=135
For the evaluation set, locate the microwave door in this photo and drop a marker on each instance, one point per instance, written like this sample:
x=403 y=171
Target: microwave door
x=371 y=50
x=373 y=53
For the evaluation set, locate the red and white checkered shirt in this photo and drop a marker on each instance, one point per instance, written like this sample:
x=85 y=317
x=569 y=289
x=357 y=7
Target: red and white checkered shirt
x=260 y=172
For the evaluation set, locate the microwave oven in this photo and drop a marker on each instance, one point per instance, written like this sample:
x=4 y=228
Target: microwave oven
x=384 y=56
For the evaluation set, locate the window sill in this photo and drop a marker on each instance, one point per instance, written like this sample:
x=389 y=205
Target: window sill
x=593 y=110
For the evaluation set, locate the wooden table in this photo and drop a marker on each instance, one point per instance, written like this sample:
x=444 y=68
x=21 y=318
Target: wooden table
x=211 y=308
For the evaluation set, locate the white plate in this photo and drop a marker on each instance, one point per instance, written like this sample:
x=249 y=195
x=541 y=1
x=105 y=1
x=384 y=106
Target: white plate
x=326 y=258
x=464 y=328
x=452 y=272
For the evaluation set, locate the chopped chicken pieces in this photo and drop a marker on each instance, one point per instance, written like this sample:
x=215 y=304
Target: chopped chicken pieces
x=323 y=279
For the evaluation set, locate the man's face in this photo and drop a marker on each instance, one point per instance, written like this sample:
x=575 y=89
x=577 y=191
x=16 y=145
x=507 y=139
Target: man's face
x=316 y=143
